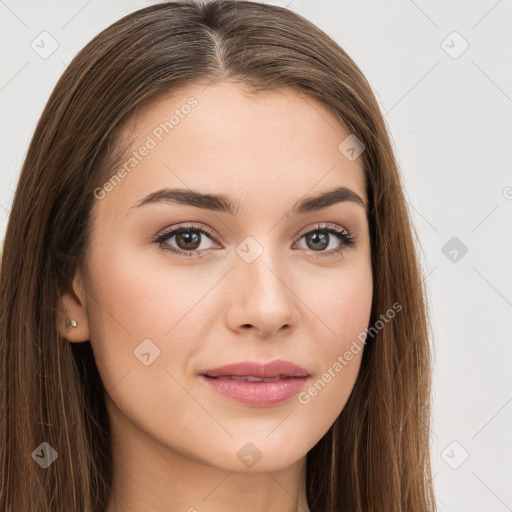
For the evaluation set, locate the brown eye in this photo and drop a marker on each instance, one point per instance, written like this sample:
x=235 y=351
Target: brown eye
x=324 y=241
x=319 y=239
x=185 y=241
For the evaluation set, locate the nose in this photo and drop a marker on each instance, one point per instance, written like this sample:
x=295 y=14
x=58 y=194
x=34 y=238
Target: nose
x=262 y=297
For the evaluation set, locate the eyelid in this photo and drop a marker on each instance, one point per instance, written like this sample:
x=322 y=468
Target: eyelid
x=319 y=226
x=185 y=225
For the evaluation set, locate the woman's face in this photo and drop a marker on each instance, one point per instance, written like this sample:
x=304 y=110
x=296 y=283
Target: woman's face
x=260 y=283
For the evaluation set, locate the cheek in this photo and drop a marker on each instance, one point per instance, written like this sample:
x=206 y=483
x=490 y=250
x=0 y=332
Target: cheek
x=130 y=301
x=349 y=307
x=343 y=308
x=138 y=304
x=143 y=331
x=342 y=304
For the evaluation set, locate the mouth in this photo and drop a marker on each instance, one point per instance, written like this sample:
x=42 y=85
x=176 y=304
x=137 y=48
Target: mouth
x=255 y=384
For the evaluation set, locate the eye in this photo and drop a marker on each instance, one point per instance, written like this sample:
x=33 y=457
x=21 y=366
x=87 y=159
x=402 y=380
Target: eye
x=324 y=236
x=190 y=240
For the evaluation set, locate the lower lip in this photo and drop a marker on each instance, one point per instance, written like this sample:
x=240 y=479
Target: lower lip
x=257 y=394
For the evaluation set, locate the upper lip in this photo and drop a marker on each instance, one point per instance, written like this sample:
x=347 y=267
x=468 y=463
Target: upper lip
x=270 y=370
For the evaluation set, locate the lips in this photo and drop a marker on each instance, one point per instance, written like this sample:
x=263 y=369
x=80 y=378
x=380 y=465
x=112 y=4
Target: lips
x=275 y=370
x=257 y=385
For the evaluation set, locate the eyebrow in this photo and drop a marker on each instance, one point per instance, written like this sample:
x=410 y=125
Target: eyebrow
x=224 y=204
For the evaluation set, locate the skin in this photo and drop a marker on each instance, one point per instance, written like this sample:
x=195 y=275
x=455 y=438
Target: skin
x=174 y=440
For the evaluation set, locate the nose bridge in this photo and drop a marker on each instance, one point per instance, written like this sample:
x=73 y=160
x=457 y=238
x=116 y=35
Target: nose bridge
x=264 y=298
x=259 y=266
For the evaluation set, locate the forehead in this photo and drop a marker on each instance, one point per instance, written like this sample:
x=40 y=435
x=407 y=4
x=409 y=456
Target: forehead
x=225 y=138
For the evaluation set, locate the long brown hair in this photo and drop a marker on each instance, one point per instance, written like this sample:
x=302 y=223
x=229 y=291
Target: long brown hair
x=375 y=457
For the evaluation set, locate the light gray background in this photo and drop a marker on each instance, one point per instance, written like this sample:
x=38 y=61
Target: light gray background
x=449 y=116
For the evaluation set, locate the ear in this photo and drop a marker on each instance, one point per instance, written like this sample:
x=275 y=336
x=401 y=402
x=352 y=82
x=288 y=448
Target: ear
x=72 y=305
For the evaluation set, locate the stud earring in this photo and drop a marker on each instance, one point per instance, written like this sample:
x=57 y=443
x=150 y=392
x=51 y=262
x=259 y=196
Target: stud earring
x=71 y=323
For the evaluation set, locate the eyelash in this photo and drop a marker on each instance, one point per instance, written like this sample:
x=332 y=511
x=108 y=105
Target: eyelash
x=346 y=238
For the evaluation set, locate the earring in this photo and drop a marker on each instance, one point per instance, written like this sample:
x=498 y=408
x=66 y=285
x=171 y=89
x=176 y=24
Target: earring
x=71 y=323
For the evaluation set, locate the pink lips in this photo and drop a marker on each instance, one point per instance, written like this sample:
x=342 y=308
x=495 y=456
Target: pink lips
x=255 y=384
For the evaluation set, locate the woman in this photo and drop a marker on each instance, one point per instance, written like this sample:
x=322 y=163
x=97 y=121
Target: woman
x=210 y=293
